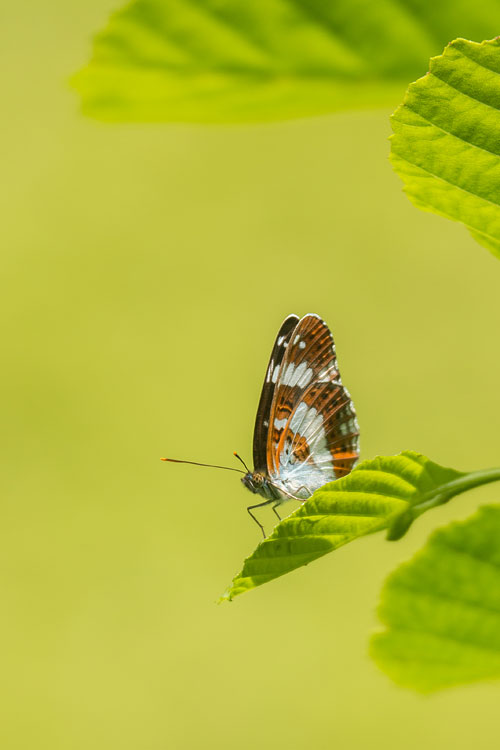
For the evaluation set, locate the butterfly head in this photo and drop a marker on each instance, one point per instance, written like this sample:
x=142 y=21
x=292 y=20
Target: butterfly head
x=254 y=481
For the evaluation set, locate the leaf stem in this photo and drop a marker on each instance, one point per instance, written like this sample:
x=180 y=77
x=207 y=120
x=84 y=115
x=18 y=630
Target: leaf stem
x=402 y=522
x=456 y=487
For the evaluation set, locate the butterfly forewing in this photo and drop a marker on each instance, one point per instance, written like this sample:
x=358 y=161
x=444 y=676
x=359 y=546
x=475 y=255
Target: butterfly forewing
x=313 y=434
x=263 y=419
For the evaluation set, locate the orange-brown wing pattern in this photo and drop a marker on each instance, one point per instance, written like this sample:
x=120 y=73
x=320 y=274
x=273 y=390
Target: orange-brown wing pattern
x=313 y=434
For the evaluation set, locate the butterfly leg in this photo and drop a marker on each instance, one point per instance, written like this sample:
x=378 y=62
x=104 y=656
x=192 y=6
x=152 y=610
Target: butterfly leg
x=274 y=507
x=259 y=505
x=310 y=494
x=292 y=497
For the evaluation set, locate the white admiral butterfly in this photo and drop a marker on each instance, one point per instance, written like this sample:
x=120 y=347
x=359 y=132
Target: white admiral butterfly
x=306 y=433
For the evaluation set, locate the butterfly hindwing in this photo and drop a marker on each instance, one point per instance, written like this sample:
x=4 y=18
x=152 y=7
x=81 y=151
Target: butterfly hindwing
x=262 y=420
x=313 y=434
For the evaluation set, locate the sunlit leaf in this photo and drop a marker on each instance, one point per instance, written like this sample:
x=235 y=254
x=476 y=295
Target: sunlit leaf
x=227 y=60
x=442 y=609
x=446 y=142
x=375 y=492
x=384 y=492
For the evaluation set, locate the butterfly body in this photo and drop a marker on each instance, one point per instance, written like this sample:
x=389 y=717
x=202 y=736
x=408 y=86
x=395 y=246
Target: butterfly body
x=259 y=485
x=306 y=433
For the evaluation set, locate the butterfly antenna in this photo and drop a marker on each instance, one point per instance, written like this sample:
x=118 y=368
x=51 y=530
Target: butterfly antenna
x=240 y=459
x=195 y=463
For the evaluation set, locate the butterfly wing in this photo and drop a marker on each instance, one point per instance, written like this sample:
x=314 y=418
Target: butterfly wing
x=314 y=435
x=262 y=420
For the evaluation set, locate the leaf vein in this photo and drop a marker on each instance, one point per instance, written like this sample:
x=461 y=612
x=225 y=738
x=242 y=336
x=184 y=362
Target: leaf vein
x=448 y=132
x=344 y=514
x=460 y=50
x=237 y=31
x=452 y=184
x=464 y=93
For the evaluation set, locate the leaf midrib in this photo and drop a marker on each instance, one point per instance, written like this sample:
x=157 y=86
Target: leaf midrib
x=332 y=76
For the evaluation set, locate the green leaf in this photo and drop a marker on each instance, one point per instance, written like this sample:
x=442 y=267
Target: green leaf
x=384 y=492
x=379 y=493
x=442 y=609
x=233 y=61
x=446 y=142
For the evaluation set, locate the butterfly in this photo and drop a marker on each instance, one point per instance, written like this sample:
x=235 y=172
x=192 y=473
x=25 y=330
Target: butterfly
x=306 y=433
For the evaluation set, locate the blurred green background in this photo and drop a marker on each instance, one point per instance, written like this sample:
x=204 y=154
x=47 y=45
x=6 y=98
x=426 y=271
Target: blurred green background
x=145 y=271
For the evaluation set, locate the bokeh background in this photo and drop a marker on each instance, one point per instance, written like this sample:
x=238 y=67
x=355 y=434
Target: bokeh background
x=145 y=271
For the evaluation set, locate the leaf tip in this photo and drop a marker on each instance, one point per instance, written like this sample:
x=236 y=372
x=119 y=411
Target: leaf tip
x=226 y=596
